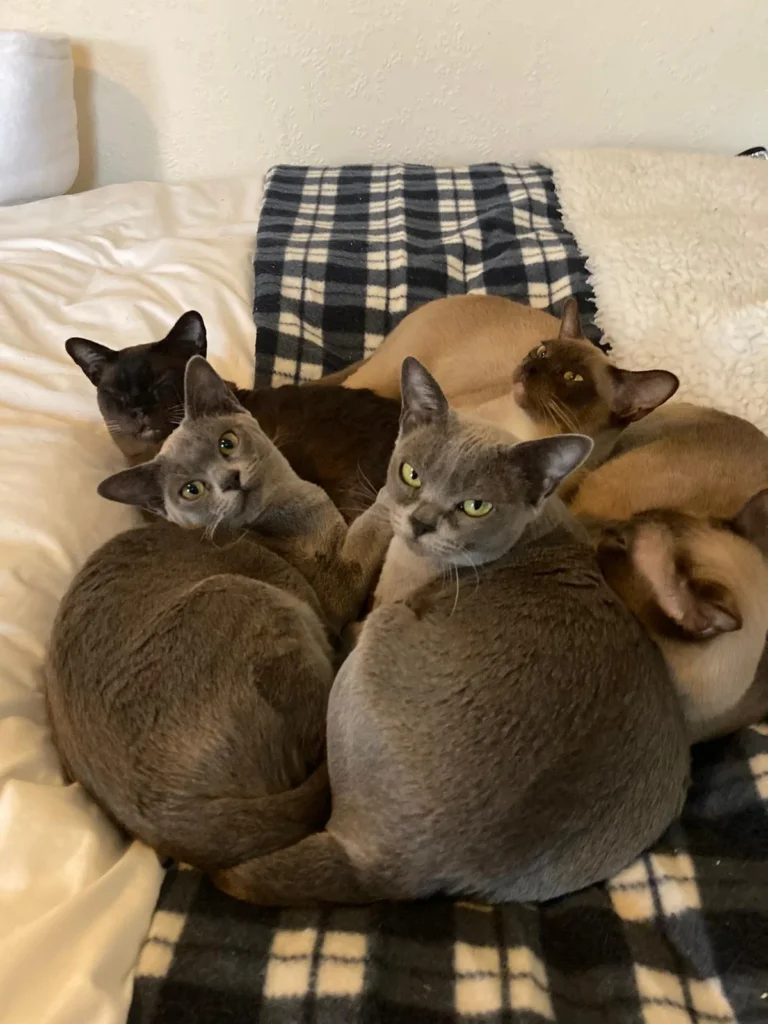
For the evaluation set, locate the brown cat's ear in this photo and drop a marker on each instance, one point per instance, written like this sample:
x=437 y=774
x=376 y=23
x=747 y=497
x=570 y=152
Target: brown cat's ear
x=140 y=486
x=205 y=393
x=188 y=335
x=570 y=325
x=422 y=400
x=546 y=463
x=638 y=392
x=752 y=521
x=699 y=608
x=91 y=357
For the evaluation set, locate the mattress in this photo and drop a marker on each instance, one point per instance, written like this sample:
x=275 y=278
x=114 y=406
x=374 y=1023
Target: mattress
x=117 y=265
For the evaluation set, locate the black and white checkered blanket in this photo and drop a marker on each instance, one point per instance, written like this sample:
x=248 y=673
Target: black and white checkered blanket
x=342 y=254
x=681 y=936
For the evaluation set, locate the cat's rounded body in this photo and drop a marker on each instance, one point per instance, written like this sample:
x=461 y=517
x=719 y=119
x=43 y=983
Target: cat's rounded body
x=517 y=742
x=187 y=688
x=504 y=728
x=188 y=677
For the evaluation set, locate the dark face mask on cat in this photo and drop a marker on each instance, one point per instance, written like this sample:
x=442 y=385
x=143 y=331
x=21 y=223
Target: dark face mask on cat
x=140 y=390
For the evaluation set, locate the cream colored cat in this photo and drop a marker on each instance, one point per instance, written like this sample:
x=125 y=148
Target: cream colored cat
x=516 y=367
x=680 y=517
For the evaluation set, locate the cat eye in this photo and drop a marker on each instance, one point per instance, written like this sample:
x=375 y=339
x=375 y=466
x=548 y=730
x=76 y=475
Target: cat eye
x=228 y=442
x=409 y=475
x=475 y=508
x=572 y=378
x=192 y=490
x=541 y=351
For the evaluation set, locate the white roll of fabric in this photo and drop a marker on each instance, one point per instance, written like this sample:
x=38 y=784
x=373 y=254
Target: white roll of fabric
x=39 y=155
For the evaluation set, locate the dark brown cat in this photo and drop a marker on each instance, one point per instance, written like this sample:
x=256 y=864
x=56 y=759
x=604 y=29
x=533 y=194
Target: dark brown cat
x=339 y=439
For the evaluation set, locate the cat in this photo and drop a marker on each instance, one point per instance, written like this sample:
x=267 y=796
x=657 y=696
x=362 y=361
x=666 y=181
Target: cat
x=187 y=680
x=505 y=731
x=340 y=440
x=680 y=517
x=517 y=367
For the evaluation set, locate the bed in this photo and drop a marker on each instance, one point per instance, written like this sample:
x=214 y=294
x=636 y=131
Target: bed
x=671 y=253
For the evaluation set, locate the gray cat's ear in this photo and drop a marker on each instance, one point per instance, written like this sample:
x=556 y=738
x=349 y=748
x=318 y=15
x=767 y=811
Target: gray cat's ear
x=188 y=335
x=752 y=521
x=570 y=325
x=638 y=392
x=205 y=393
x=423 y=401
x=140 y=486
x=546 y=463
x=90 y=356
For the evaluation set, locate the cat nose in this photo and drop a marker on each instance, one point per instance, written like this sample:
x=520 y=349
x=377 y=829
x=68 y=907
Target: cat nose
x=231 y=481
x=419 y=527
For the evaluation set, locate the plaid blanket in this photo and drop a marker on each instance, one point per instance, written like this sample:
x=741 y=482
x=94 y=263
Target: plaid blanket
x=342 y=254
x=681 y=936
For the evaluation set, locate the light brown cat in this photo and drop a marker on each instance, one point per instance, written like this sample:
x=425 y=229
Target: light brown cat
x=518 y=368
x=680 y=517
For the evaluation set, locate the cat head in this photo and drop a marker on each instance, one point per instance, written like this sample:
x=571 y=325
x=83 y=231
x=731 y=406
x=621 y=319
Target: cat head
x=686 y=578
x=218 y=468
x=140 y=390
x=569 y=383
x=462 y=492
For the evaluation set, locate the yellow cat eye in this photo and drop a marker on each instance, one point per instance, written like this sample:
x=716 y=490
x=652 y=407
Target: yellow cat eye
x=409 y=475
x=192 y=490
x=541 y=351
x=572 y=378
x=228 y=442
x=475 y=508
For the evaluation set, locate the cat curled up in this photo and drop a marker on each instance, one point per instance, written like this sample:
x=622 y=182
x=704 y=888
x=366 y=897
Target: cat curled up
x=504 y=727
x=517 y=367
x=680 y=519
x=533 y=375
x=188 y=677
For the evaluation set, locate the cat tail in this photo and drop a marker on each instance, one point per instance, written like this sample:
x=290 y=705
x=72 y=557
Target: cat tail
x=247 y=827
x=313 y=872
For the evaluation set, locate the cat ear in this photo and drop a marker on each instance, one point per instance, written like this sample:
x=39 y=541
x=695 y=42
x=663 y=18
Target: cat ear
x=546 y=463
x=702 y=611
x=205 y=393
x=570 y=325
x=139 y=486
x=188 y=335
x=638 y=392
x=752 y=521
x=91 y=357
x=422 y=400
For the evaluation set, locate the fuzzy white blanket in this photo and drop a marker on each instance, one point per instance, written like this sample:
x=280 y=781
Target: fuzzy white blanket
x=677 y=246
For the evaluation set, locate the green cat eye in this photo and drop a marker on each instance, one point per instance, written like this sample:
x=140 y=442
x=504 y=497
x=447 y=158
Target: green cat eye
x=192 y=490
x=475 y=508
x=409 y=475
x=572 y=377
x=228 y=442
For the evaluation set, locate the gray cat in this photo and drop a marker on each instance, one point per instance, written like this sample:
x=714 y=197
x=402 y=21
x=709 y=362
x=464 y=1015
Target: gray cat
x=188 y=680
x=509 y=731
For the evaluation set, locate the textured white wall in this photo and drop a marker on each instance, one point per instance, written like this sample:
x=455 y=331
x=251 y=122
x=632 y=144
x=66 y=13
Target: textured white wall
x=175 y=89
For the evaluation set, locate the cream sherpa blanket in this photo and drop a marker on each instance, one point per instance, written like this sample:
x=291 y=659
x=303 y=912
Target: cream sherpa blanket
x=677 y=246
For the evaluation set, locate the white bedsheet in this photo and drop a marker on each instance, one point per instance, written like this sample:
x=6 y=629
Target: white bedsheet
x=116 y=265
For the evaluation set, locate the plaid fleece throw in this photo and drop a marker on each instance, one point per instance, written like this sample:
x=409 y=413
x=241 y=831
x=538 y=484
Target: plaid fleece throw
x=681 y=936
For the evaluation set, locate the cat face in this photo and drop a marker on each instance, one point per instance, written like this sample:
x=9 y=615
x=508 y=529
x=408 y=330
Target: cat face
x=140 y=390
x=461 y=494
x=217 y=468
x=689 y=579
x=571 y=383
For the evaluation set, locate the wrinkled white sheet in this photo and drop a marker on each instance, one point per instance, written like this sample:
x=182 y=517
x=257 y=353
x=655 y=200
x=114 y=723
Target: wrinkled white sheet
x=116 y=265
